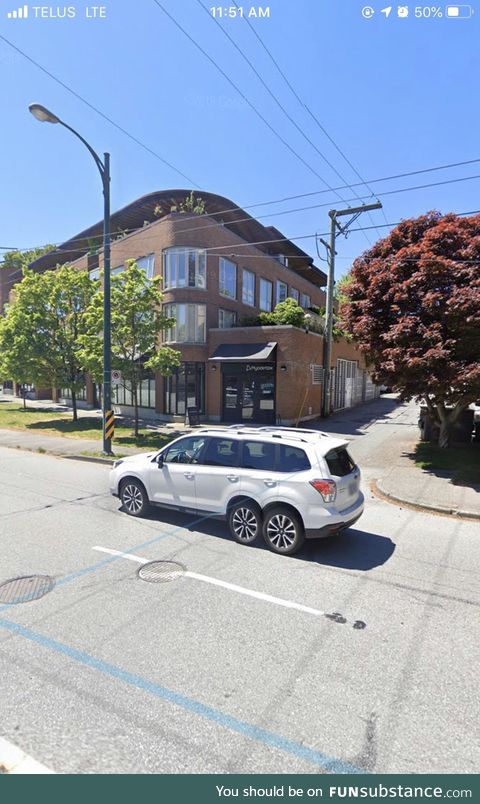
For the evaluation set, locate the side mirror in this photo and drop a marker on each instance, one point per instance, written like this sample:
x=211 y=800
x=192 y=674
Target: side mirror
x=160 y=461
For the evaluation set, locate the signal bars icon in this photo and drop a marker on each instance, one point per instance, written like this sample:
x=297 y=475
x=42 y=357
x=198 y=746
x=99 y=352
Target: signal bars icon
x=19 y=14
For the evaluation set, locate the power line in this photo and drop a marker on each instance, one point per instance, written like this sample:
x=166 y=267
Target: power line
x=283 y=212
x=271 y=93
x=241 y=93
x=98 y=111
x=307 y=108
x=226 y=249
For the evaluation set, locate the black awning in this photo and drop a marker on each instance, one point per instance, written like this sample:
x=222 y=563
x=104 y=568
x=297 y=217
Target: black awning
x=244 y=351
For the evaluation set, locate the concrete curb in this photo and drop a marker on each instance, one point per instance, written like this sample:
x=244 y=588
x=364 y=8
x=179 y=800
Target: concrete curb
x=379 y=491
x=14 y=760
x=88 y=458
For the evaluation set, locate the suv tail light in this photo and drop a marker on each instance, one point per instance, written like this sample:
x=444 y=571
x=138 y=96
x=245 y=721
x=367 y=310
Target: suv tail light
x=327 y=488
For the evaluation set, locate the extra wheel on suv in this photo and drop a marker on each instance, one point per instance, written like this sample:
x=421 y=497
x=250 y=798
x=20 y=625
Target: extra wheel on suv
x=284 y=484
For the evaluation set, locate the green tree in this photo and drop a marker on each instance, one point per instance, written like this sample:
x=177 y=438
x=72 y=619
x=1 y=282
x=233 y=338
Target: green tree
x=137 y=324
x=41 y=332
x=21 y=259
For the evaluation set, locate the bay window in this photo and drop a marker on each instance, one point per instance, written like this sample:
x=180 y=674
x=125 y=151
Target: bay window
x=189 y=323
x=184 y=268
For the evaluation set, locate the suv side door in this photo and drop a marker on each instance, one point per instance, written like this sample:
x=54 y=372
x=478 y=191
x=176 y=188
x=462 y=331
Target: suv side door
x=172 y=481
x=218 y=476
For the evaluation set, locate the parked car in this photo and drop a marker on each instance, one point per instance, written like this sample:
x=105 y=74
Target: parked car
x=283 y=483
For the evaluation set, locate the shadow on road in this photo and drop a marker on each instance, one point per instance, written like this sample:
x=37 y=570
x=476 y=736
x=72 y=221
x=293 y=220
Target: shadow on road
x=354 y=549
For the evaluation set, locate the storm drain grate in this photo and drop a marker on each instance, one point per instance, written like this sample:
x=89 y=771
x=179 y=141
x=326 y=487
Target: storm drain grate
x=26 y=588
x=161 y=571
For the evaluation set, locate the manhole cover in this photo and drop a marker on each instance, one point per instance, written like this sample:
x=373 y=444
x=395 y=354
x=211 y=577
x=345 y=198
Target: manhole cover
x=25 y=589
x=161 y=571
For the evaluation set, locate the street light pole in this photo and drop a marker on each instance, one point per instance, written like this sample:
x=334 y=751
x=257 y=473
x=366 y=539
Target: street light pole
x=45 y=116
x=328 y=337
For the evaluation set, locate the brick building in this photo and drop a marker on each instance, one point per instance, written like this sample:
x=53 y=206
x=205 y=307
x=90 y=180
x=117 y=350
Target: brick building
x=217 y=270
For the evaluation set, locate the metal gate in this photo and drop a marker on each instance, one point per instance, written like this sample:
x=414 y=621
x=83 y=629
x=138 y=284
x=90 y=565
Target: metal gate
x=346 y=387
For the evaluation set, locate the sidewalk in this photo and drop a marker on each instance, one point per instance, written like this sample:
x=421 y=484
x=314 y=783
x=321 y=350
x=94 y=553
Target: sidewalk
x=382 y=433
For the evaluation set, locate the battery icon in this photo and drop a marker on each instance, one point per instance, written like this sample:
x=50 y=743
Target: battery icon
x=459 y=12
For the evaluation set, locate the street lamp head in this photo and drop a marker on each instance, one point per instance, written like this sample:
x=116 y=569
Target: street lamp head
x=41 y=113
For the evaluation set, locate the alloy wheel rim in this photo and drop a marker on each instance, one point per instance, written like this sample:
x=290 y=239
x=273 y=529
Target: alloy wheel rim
x=281 y=531
x=245 y=524
x=132 y=499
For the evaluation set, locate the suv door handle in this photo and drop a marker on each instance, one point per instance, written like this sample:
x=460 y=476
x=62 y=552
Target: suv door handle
x=232 y=478
x=269 y=481
x=189 y=475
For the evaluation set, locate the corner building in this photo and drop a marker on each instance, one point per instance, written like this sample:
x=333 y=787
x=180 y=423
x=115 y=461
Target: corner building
x=218 y=270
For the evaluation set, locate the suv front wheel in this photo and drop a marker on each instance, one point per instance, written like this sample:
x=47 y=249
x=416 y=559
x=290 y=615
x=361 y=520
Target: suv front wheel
x=134 y=497
x=245 y=522
x=283 y=530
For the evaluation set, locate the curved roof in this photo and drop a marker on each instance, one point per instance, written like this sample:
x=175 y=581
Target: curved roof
x=134 y=215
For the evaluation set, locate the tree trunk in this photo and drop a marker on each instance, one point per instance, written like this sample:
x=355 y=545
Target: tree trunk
x=74 y=405
x=24 y=400
x=448 y=417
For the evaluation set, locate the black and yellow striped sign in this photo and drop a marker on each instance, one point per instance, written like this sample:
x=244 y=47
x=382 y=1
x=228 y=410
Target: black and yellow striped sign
x=109 y=424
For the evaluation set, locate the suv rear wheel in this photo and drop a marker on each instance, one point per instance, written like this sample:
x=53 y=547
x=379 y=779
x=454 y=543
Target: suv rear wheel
x=283 y=530
x=245 y=522
x=134 y=497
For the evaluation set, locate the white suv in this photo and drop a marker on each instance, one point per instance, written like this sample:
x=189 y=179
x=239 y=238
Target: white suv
x=284 y=483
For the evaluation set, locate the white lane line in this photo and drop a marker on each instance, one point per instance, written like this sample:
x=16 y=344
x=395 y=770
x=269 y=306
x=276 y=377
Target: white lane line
x=130 y=556
x=242 y=590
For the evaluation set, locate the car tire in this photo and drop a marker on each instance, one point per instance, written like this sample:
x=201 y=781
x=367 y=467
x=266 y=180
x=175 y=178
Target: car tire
x=245 y=522
x=283 y=530
x=134 y=497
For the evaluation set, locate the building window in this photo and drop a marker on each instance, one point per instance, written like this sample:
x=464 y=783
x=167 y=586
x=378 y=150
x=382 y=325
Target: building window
x=266 y=290
x=226 y=319
x=248 y=287
x=147 y=264
x=122 y=394
x=305 y=301
x=185 y=388
x=184 y=268
x=190 y=323
x=81 y=394
x=228 y=278
x=294 y=294
x=281 y=292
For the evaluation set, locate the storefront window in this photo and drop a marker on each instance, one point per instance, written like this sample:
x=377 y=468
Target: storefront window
x=249 y=392
x=185 y=388
x=122 y=394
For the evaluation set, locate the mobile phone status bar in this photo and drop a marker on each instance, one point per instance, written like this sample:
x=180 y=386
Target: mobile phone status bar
x=450 y=12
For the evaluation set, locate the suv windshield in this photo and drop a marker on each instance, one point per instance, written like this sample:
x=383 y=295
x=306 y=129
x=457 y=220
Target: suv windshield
x=339 y=462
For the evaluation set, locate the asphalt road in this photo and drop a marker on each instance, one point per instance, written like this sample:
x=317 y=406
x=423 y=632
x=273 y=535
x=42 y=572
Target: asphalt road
x=108 y=673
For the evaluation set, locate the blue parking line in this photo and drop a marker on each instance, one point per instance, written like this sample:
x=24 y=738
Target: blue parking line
x=268 y=738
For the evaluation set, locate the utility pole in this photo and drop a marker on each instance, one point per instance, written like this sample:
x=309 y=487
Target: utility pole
x=328 y=336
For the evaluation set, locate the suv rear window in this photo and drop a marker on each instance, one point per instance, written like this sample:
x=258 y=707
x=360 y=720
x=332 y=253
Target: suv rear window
x=339 y=462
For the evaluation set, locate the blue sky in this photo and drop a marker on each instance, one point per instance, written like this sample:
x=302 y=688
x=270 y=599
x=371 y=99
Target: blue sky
x=396 y=95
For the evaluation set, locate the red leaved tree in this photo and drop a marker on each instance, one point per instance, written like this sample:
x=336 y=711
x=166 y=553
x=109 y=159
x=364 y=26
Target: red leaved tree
x=413 y=306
